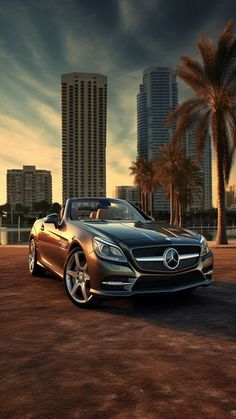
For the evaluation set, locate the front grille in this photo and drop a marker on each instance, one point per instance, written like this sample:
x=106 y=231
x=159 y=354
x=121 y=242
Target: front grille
x=158 y=251
x=168 y=282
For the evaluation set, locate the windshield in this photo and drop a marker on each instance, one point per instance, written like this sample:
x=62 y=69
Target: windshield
x=104 y=209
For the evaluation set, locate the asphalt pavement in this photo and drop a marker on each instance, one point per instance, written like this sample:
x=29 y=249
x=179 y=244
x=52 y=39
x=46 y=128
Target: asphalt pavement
x=151 y=357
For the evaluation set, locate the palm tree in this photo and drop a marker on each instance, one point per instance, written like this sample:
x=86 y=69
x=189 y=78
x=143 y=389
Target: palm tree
x=151 y=182
x=138 y=170
x=167 y=164
x=145 y=178
x=213 y=106
x=188 y=179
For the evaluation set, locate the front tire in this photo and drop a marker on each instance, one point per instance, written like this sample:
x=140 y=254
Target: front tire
x=77 y=280
x=34 y=268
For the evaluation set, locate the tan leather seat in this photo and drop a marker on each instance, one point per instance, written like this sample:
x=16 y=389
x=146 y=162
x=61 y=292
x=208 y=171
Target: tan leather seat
x=93 y=214
x=104 y=214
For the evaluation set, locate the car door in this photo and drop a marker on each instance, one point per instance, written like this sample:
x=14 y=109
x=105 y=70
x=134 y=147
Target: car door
x=53 y=246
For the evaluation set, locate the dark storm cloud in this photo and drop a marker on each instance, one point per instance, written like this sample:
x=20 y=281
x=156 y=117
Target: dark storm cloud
x=41 y=39
x=135 y=32
x=104 y=13
x=138 y=32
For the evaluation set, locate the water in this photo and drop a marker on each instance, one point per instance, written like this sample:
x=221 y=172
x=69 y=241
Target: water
x=210 y=233
x=11 y=235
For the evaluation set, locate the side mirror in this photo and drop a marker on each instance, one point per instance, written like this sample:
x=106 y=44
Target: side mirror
x=52 y=219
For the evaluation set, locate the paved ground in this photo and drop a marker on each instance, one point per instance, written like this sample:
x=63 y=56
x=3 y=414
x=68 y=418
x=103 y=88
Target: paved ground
x=146 y=358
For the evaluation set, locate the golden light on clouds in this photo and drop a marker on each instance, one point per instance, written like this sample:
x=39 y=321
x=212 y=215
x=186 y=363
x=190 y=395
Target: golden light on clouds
x=24 y=145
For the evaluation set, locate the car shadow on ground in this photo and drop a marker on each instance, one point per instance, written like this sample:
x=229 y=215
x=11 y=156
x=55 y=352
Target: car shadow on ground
x=210 y=311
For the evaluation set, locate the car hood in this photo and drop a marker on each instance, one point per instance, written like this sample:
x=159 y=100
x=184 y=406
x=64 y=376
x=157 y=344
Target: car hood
x=142 y=233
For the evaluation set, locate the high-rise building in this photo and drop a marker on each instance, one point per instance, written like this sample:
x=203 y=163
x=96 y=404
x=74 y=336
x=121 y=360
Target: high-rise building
x=84 y=110
x=129 y=193
x=201 y=199
x=230 y=197
x=27 y=186
x=158 y=95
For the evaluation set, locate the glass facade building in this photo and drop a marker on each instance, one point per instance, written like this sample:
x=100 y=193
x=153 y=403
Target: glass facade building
x=158 y=95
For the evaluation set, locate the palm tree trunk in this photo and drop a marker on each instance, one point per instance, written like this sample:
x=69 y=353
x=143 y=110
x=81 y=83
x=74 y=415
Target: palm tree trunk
x=142 y=199
x=180 y=215
x=144 y=204
x=142 y=193
x=176 y=221
x=221 y=237
x=152 y=203
x=171 y=203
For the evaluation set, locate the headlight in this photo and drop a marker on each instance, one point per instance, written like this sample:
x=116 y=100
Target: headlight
x=204 y=246
x=108 y=250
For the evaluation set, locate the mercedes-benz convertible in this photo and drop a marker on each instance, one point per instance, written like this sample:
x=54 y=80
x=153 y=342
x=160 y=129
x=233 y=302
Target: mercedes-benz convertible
x=109 y=247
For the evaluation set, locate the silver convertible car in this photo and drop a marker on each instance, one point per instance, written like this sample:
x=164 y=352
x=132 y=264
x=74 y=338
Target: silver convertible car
x=108 y=247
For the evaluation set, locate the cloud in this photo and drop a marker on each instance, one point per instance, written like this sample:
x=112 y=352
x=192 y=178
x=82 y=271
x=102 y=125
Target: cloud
x=48 y=114
x=24 y=145
x=41 y=40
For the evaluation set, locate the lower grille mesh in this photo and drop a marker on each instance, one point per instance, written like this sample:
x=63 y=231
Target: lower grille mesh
x=168 y=281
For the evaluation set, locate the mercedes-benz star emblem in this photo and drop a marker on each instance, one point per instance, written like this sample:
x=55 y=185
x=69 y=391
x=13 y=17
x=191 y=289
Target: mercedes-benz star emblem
x=171 y=258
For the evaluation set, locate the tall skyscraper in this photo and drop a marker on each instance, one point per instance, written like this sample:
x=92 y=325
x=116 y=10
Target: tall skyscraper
x=202 y=198
x=129 y=193
x=84 y=110
x=158 y=95
x=27 y=186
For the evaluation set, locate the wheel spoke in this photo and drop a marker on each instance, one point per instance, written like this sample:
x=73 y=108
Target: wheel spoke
x=71 y=273
x=84 y=291
x=77 y=261
x=85 y=267
x=74 y=289
x=86 y=276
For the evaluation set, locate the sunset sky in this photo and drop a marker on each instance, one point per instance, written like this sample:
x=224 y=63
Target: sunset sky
x=41 y=39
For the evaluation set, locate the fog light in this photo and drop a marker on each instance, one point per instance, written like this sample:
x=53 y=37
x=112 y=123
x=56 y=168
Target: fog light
x=115 y=283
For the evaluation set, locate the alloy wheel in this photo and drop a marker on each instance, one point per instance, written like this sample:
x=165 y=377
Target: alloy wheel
x=77 y=279
x=31 y=255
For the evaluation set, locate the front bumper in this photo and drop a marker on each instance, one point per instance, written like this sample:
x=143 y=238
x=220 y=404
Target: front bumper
x=116 y=279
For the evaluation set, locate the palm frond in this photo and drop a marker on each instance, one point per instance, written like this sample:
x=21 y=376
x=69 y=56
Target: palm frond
x=191 y=80
x=224 y=52
x=194 y=67
x=208 y=53
x=187 y=108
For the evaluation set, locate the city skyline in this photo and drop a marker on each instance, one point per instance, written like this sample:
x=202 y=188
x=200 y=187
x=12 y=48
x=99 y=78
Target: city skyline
x=127 y=37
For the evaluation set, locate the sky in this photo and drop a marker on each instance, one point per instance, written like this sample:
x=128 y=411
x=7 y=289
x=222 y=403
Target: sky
x=41 y=39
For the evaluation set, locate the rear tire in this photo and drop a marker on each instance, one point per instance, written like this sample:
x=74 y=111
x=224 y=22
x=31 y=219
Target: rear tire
x=34 y=268
x=77 y=280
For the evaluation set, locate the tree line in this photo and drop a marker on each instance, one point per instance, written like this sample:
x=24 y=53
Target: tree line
x=177 y=174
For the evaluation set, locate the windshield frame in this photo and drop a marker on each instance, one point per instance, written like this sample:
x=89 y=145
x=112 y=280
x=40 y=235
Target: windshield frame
x=141 y=216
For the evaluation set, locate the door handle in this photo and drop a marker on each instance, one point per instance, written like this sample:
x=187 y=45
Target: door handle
x=42 y=227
